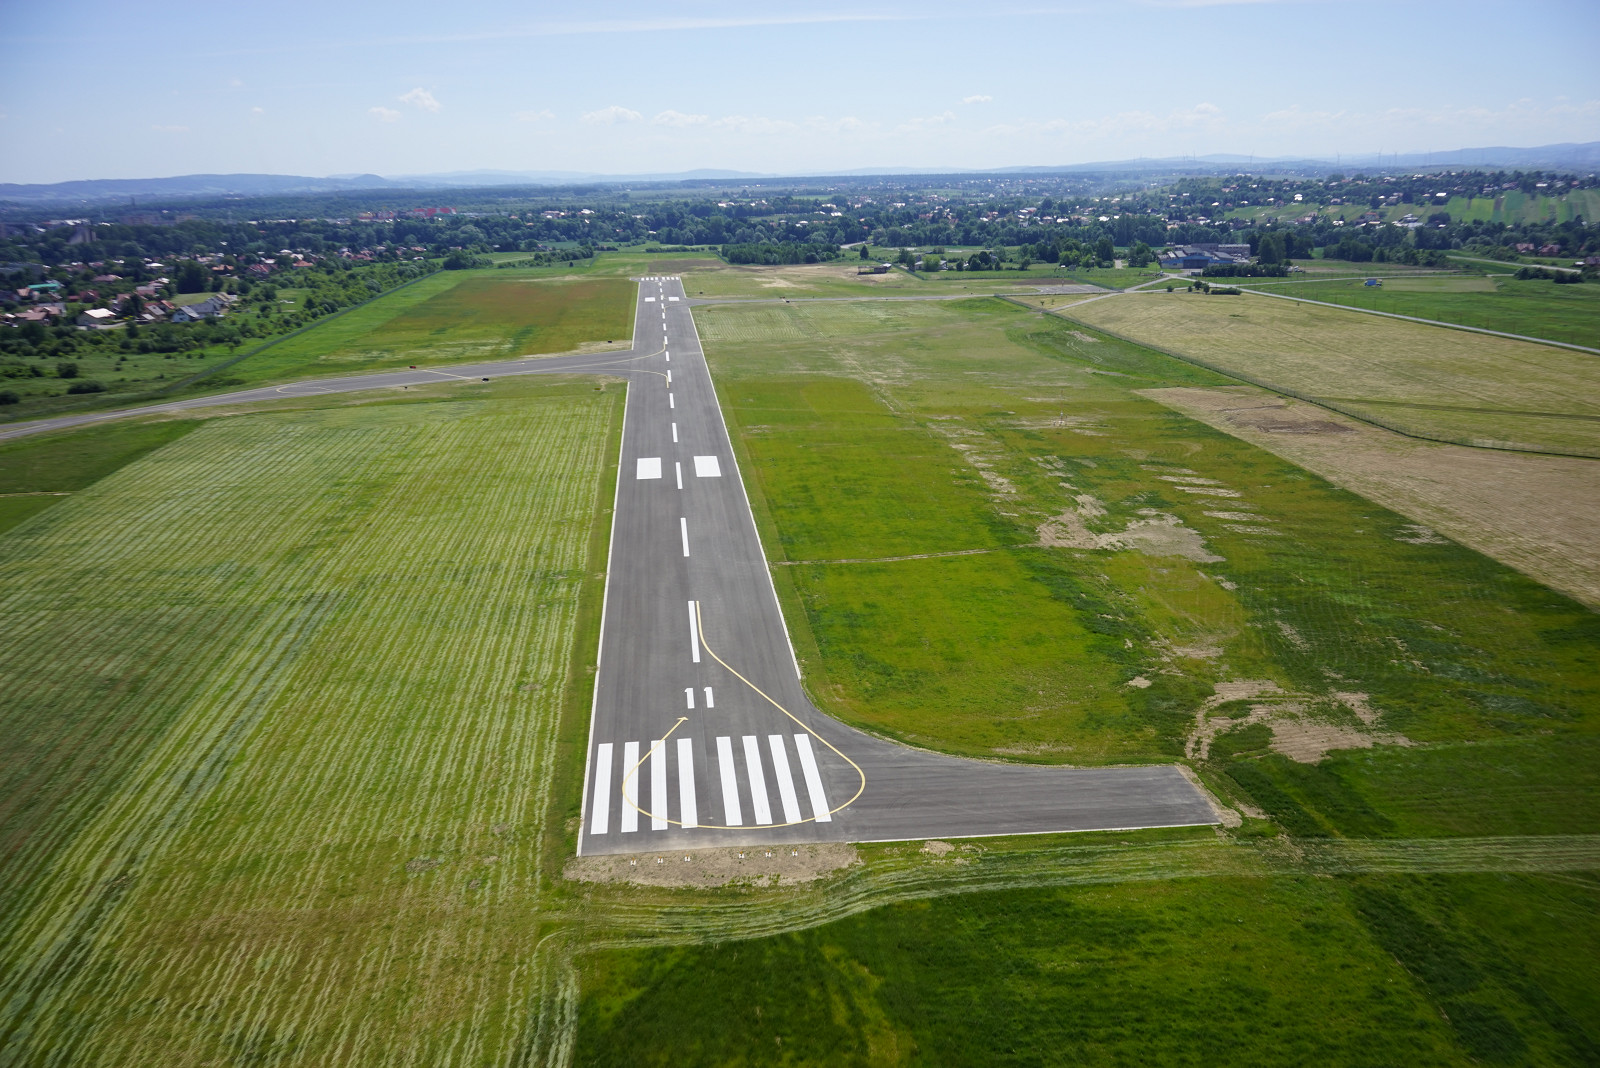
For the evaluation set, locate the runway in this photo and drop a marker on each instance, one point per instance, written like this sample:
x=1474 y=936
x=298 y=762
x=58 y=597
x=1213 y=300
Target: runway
x=701 y=733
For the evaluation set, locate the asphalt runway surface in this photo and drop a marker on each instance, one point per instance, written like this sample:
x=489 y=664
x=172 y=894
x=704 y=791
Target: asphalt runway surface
x=701 y=733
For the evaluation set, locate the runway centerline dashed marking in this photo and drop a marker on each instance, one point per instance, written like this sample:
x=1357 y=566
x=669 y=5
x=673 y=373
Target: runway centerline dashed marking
x=683 y=528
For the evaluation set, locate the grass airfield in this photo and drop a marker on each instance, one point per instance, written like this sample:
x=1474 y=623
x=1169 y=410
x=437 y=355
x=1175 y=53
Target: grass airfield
x=291 y=758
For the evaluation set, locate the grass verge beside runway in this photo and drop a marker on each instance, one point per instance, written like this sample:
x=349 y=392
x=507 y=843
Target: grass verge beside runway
x=279 y=732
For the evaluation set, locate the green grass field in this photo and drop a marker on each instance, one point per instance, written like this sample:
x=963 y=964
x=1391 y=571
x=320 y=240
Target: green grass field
x=1370 y=971
x=1450 y=385
x=1530 y=307
x=279 y=735
x=453 y=316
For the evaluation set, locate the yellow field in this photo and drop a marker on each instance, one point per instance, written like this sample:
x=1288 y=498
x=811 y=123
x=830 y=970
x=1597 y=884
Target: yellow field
x=1428 y=380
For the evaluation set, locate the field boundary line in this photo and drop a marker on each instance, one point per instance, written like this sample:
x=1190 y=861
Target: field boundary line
x=1320 y=402
x=1425 y=322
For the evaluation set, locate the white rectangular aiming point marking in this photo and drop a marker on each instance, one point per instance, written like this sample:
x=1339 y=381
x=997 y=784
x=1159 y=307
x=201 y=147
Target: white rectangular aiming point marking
x=707 y=467
x=649 y=467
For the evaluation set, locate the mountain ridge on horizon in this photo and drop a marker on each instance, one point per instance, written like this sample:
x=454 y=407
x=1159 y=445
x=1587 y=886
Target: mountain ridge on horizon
x=101 y=190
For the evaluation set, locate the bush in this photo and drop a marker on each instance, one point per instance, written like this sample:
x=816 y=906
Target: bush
x=9 y=396
x=66 y=369
x=86 y=386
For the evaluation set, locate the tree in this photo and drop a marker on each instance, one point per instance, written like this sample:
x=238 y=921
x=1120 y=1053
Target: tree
x=1140 y=256
x=1104 y=251
x=193 y=277
x=1271 y=249
x=863 y=250
x=930 y=262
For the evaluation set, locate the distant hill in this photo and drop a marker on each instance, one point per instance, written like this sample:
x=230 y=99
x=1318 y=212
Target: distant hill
x=1584 y=156
x=95 y=190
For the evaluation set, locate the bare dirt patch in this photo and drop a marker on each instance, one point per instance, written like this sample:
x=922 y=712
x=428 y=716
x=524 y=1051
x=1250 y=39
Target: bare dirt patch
x=739 y=865
x=1538 y=514
x=1304 y=728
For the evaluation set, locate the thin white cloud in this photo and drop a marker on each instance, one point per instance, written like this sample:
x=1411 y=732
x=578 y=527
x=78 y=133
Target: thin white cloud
x=977 y=98
x=170 y=129
x=610 y=116
x=926 y=122
x=678 y=118
x=258 y=110
x=384 y=114
x=535 y=116
x=420 y=98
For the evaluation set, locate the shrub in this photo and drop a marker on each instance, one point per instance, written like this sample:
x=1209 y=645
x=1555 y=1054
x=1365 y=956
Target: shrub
x=9 y=396
x=88 y=385
x=66 y=369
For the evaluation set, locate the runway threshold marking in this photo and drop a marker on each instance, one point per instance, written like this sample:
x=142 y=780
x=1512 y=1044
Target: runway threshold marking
x=694 y=607
x=630 y=785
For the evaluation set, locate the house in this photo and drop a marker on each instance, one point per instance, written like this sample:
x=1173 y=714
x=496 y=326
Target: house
x=1549 y=250
x=1525 y=246
x=1199 y=257
x=96 y=318
x=213 y=307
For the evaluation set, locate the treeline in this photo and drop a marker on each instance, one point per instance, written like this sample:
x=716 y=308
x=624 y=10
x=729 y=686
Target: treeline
x=770 y=253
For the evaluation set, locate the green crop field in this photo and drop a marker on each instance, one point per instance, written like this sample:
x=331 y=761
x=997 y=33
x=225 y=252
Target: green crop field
x=1530 y=307
x=279 y=733
x=1450 y=385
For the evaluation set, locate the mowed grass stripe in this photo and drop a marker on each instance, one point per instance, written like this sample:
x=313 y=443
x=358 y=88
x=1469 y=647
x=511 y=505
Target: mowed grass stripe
x=443 y=572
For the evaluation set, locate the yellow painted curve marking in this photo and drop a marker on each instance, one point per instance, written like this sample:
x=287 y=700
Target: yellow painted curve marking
x=700 y=625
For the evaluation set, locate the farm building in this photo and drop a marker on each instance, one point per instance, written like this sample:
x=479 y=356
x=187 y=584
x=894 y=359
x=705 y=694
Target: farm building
x=1199 y=257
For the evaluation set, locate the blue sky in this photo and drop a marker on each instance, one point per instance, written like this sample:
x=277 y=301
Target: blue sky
x=108 y=90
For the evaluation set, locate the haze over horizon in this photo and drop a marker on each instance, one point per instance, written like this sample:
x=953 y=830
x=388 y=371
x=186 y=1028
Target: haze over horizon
x=632 y=88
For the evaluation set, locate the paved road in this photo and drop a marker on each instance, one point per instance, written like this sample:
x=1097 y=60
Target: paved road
x=701 y=733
